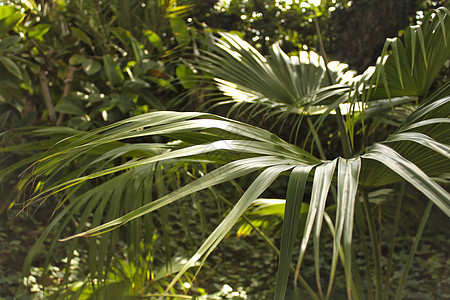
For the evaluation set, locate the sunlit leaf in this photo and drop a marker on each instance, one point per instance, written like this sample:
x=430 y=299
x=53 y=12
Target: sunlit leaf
x=180 y=30
x=9 y=17
x=38 y=31
x=186 y=76
x=154 y=39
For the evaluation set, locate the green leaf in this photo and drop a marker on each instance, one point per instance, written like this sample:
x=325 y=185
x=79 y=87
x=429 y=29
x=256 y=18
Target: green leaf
x=441 y=15
x=180 y=30
x=81 y=35
x=294 y=199
x=259 y=185
x=70 y=105
x=276 y=85
x=61 y=216
x=412 y=174
x=11 y=66
x=7 y=11
x=174 y=266
x=138 y=53
x=80 y=123
x=186 y=76
x=323 y=176
x=37 y=32
x=76 y=59
x=223 y=174
x=121 y=34
x=395 y=48
x=321 y=184
x=422 y=139
x=154 y=39
x=412 y=72
x=91 y=66
x=9 y=17
x=9 y=43
x=348 y=177
x=113 y=72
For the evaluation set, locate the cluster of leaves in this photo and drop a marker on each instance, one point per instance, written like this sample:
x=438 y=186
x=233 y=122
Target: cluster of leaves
x=353 y=31
x=96 y=72
x=264 y=23
x=60 y=67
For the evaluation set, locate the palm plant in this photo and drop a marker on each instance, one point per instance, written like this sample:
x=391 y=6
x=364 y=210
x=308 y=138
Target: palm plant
x=119 y=173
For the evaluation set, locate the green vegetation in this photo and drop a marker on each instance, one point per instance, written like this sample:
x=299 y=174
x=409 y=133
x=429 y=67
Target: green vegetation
x=146 y=134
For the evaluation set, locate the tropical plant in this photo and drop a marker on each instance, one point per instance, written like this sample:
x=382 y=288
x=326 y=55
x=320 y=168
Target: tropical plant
x=115 y=182
x=62 y=64
x=60 y=68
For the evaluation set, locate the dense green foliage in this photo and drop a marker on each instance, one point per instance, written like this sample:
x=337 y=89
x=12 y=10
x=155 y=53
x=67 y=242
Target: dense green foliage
x=353 y=31
x=95 y=116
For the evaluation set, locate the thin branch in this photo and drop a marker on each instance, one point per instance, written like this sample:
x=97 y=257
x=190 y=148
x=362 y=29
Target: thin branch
x=345 y=140
x=44 y=82
x=67 y=88
x=46 y=94
x=374 y=241
x=393 y=233
x=409 y=261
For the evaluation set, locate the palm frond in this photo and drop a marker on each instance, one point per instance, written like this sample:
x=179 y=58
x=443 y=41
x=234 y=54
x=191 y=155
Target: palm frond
x=243 y=74
x=294 y=199
x=422 y=139
x=408 y=67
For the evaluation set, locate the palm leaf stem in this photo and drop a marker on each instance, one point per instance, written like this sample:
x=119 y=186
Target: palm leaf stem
x=316 y=139
x=346 y=146
x=409 y=261
x=374 y=242
x=362 y=233
x=340 y=250
x=392 y=241
x=46 y=95
x=357 y=277
x=345 y=141
x=380 y=229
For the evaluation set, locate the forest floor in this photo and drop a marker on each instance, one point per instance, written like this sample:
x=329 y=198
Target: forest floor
x=240 y=268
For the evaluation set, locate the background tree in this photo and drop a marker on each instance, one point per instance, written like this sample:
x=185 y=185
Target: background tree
x=354 y=31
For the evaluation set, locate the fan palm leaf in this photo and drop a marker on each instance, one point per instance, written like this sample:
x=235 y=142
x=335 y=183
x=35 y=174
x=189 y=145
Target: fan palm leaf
x=409 y=67
x=281 y=81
